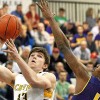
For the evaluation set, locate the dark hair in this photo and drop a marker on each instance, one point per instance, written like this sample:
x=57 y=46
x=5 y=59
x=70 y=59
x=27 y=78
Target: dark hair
x=64 y=71
x=43 y=51
x=62 y=9
x=79 y=26
x=19 y=5
x=85 y=22
x=88 y=12
x=98 y=20
x=5 y=4
x=9 y=63
x=33 y=4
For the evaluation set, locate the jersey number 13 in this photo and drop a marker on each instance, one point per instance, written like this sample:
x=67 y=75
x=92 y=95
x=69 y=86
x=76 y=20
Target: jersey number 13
x=22 y=96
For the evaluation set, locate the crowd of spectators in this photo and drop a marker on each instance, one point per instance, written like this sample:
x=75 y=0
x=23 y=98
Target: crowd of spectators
x=36 y=31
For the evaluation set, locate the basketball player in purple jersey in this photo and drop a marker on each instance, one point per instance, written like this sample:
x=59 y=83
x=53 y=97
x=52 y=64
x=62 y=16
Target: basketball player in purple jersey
x=87 y=87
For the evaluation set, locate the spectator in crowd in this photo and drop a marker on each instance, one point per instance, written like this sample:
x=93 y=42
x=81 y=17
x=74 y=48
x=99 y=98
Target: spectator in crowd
x=5 y=8
x=94 y=58
x=79 y=37
x=25 y=53
x=97 y=60
x=82 y=53
x=90 y=43
x=61 y=19
x=89 y=17
x=96 y=29
x=69 y=28
x=42 y=38
x=47 y=26
x=25 y=39
x=71 y=89
x=19 y=13
x=86 y=28
x=1 y=12
x=58 y=68
x=90 y=67
x=32 y=16
x=97 y=42
x=62 y=86
x=54 y=58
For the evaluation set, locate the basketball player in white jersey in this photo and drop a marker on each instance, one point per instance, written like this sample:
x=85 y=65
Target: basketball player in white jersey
x=33 y=83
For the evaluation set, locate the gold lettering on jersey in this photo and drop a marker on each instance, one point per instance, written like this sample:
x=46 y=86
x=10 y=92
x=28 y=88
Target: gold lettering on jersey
x=97 y=96
x=19 y=87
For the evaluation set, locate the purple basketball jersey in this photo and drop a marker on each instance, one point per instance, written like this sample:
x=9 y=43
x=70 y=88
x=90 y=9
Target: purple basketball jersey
x=91 y=91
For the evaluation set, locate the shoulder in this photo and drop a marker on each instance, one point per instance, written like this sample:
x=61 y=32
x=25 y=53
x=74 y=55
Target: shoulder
x=94 y=28
x=77 y=49
x=50 y=76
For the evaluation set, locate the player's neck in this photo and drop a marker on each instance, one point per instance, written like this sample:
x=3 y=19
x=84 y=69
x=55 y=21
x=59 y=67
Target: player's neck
x=38 y=71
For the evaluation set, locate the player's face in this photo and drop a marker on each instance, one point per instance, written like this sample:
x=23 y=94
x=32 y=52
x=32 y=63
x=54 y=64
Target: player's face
x=37 y=61
x=96 y=71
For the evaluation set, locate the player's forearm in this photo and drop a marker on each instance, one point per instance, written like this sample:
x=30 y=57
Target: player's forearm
x=58 y=34
x=28 y=73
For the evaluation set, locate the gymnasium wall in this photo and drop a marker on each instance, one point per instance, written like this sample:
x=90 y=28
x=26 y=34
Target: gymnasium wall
x=75 y=9
x=12 y=4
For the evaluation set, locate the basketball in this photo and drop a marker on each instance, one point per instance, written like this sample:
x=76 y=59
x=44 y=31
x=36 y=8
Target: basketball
x=10 y=27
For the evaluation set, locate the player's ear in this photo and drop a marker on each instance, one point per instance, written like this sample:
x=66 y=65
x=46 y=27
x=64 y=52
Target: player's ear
x=45 y=66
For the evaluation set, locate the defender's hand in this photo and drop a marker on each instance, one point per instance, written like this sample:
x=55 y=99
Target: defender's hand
x=43 y=5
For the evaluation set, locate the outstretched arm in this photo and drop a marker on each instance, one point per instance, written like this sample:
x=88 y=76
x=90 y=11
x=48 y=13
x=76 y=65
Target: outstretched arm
x=61 y=40
x=64 y=46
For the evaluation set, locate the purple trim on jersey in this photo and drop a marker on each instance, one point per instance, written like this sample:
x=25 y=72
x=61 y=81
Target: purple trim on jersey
x=92 y=88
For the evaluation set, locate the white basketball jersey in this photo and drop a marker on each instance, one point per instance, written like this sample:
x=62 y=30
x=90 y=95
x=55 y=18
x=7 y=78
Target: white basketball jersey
x=23 y=91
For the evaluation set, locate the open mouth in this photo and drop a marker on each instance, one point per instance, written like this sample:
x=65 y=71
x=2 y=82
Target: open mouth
x=33 y=61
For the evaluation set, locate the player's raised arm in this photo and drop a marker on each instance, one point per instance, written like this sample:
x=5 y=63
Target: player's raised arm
x=61 y=40
x=63 y=44
x=7 y=76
